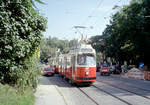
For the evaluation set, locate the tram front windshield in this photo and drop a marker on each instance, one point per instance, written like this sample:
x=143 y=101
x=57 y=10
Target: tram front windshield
x=86 y=60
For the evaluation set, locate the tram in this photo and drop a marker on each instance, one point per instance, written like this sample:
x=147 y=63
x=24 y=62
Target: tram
x=79 y=65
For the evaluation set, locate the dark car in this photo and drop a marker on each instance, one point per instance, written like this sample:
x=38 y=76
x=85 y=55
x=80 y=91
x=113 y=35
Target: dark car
x=48 y=71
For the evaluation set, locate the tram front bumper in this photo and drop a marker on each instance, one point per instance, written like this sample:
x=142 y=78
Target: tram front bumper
x=86 y=79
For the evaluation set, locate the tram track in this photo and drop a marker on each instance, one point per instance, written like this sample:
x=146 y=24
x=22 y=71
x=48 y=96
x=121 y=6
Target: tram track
x=146 y=90
x=92 y=99
x=122 y=89
x=112 y=95
x=132 y=86
x=121 y=82
x=88 y=96
x=68 y=85
x=84 y=92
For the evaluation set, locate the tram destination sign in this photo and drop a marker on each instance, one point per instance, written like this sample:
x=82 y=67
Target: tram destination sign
x=86 y=50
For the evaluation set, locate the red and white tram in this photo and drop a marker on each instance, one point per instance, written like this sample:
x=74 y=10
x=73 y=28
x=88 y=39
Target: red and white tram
x=79 y=65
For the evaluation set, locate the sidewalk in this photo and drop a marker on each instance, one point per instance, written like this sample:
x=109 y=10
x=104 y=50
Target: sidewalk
x=48 y=94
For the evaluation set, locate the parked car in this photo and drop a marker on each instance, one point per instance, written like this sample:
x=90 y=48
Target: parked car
x=105 y=69
x=48 y=71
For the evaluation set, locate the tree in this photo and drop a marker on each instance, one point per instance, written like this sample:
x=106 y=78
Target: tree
x=127 y=36
x=21 y=29
x=49 y=46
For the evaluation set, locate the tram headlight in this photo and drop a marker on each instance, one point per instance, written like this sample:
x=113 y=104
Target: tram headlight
x=86 y=73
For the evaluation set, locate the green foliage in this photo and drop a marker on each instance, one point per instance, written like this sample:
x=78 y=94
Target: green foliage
x=10 y=96
x=46 y=49
x=49 y=46
x=39 y=1
x=97 y=43
x=98 y=57
x=127 y=36
x=29 y=74
x=20 y=33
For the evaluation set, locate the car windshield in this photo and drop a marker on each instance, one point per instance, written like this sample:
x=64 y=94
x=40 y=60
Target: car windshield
x=86 y=60
x=48 y=69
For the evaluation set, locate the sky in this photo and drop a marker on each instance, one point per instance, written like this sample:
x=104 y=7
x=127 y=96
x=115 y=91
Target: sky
x=63 y=15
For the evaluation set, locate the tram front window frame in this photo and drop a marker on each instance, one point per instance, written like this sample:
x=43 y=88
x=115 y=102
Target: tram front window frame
x=86 y=59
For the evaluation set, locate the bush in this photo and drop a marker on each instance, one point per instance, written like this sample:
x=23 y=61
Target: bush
x=21 y=29
x=29 y=74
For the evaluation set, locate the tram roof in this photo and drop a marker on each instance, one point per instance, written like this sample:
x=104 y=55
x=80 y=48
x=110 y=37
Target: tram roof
x=82 y=48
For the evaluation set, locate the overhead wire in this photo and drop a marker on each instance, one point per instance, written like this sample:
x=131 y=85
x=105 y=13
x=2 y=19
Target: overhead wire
x=90 y=15
x=105 y=14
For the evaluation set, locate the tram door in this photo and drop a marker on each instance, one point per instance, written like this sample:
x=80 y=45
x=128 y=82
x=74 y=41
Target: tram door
x=73 y=61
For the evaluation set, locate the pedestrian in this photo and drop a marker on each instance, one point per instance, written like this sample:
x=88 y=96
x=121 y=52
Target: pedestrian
x=122 y=68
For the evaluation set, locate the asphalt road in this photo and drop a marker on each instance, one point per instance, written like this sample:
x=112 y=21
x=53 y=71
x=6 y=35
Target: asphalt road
x=107 y=90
